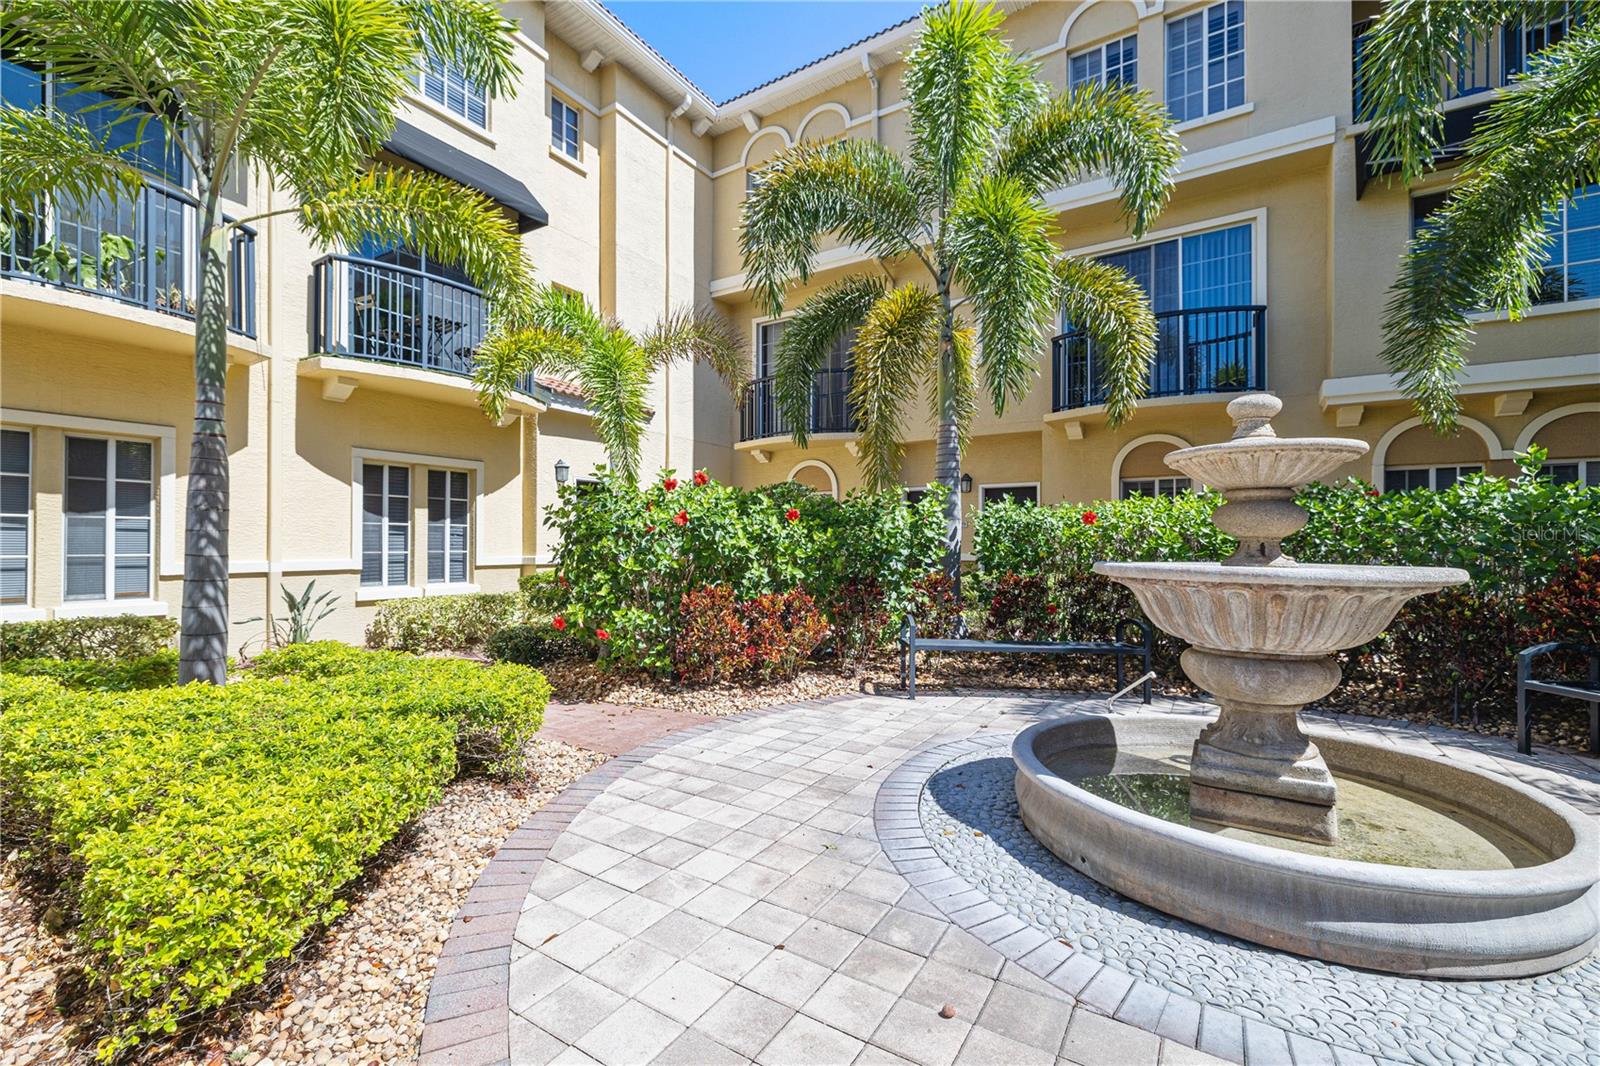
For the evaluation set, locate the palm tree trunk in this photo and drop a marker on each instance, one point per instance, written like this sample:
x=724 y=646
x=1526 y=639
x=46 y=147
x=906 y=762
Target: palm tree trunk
x=203 y=646
x=947 y=445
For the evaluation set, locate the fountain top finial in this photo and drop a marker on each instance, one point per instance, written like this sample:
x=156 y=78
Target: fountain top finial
x=1253 y=413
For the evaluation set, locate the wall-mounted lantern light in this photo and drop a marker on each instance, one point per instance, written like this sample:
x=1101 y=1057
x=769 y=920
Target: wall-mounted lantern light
x=966 y=483
x=563 y=471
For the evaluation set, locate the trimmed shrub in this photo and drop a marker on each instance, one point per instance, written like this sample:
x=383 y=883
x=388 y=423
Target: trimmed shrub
x=723 y=639
x=204 y=831
x=99 y=639
x=630 y=554
x=527 y=645
x=495 y=709
x=146 y=671
x=443 y=623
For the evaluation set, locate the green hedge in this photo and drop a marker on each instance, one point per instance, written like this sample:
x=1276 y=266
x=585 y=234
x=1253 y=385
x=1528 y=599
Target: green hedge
x=146 y=671
x=206 y=830
x=529 y=645
x=444 y=623
x=1520 y=539
x=100 y=639
x=495 y=709
x=630 y=554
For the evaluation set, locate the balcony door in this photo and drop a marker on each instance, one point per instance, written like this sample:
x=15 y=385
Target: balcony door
x=407 y=308
x=1202 y=352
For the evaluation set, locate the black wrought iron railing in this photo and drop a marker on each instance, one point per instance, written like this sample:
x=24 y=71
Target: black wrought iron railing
x=368 y=309
x=830 y=407
x=138 y=250
x=1201 y=351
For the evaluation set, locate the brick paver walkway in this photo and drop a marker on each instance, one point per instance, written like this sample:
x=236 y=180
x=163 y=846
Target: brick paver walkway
x=725 y=895
x=612 y=728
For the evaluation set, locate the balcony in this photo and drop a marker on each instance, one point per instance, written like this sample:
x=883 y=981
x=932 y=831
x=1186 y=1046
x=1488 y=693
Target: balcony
x=1199 y=352
x=369 y=310
x=139 y=251
x=760 y=418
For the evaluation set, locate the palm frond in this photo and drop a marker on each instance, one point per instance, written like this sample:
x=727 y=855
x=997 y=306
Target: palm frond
x=699 y=335
x=1485 y=247
x=614 y=374
x=1409 y=56
x=1114 y=312
x=53 y=154
x=505 y=356
x=896 y=345
x=999 y=236
x=957 y=80
x=439 y=217
x=855 y=189
x=1119 y=131
x=809 y=336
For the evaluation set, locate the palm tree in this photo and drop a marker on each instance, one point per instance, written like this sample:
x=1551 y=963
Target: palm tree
x=559 y=333
x=306 y=91
x=1535 y=144
x=964 y=209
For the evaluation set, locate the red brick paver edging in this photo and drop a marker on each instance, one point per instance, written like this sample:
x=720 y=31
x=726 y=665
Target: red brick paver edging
x=468 y=1015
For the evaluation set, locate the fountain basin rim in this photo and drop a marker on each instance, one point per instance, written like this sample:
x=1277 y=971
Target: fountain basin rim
x=1298 y=576
x=1572 y=871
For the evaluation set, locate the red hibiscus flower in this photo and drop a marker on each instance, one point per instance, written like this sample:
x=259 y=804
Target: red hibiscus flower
x=1051 y=608
x=792 y=515
x=649 y=529
x=1372 y=492
x=670 y=484
x=601 y=634
x=559 y=623
x=681 y=518
x=1090 y=518
x=701 y=477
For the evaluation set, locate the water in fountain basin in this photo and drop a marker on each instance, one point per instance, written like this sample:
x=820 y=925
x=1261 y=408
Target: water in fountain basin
x=1378 y=822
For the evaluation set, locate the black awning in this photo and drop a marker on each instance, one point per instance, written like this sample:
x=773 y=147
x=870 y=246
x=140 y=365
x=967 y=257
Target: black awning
x=428 y=151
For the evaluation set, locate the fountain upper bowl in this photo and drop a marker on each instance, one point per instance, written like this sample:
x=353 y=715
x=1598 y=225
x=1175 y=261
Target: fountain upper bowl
x=1265 y=462
x=1301 y=610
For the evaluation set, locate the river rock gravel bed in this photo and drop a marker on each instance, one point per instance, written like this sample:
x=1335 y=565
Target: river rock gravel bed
x=356 y=994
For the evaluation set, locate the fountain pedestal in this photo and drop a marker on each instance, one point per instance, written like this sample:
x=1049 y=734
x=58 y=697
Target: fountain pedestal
x=1254 y=766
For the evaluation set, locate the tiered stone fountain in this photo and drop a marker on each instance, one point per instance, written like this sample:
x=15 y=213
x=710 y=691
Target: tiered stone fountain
x=1235 y=823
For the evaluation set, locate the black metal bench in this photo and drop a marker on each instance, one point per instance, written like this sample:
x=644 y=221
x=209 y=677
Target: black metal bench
x=1576 y=690
x=1122 y=648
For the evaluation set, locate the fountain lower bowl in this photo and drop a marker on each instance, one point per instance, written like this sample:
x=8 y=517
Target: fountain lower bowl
x=1478 y=923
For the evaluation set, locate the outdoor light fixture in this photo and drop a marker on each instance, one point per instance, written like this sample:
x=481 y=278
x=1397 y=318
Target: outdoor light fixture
x=966 y=483
x=563 y=471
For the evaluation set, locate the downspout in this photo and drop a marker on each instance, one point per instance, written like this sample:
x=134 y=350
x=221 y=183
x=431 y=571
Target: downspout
x=871 y=70
x=666 y=277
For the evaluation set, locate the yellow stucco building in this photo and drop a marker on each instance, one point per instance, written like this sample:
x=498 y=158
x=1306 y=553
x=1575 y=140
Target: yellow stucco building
x=360 y=458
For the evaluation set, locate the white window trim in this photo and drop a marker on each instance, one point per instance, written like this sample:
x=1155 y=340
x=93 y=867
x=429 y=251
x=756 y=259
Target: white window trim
x=1201 y=12
x=111 y=518
x=386 y=496
x=1038 y=494
x=1216 y=116
x=1434 y=468
x=560 y=98
x=1101 y=48
x=1526 y=438
x=417 y=95
x=471 y=522
x=833 y=479
x=1380 y=452
x=1258 y=244
x=28 y=530
x=755 y=337
x=1158 y=479
x=359 y=456
x=1584 y=462
x=1128 y=449
x=169 y=561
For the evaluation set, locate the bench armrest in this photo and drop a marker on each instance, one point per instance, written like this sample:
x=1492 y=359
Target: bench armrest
x=1526 y=656
x=1119 y=632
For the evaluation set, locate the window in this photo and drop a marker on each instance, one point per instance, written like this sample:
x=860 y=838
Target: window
x=752 y=178
x=447 y=526
x=564 y=128
x=1570 y=471
x=16 y=510
x=1154 y=486
x=448 y=87
x=1404 y=479
x=1572 y=260
x=385 y=524
x=108 y=516
x=1014 y=493
x=1205 y=61
x=768 y=334
x=1116 y=63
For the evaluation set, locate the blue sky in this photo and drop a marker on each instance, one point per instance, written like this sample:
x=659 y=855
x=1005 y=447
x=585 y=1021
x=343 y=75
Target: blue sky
x=730 y=46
